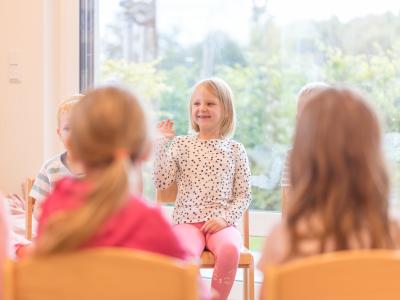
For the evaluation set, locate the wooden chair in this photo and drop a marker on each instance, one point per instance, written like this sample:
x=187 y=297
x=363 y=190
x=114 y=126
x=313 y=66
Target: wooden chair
x=246 y=260
x=346 y=275
x=101 y=274
x=29 y=203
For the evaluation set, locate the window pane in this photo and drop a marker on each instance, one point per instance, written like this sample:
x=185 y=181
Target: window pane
x=266 y=50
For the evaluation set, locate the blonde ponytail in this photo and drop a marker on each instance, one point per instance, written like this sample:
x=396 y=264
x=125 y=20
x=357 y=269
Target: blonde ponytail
x=108 y=130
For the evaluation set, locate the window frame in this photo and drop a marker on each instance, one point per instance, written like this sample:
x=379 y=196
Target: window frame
x=87 y=10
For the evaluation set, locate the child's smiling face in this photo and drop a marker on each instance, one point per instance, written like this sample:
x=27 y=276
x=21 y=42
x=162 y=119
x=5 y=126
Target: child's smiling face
x=206 y=110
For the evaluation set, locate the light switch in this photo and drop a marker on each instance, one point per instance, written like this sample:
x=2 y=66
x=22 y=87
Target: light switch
x=14 y=67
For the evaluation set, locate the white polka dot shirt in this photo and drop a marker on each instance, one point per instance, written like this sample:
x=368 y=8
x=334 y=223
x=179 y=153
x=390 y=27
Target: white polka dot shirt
x=213 y=178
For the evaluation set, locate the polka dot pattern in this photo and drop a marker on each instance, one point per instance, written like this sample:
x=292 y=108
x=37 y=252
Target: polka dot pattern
x=213 y=178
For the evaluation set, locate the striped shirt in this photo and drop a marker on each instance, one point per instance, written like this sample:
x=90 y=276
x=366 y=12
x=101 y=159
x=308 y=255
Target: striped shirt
x=52 y=171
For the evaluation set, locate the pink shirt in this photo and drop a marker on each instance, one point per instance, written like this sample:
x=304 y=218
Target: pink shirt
x=135 y=225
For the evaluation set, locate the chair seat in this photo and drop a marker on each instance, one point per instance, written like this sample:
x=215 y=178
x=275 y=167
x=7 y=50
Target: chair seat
x=207 y=258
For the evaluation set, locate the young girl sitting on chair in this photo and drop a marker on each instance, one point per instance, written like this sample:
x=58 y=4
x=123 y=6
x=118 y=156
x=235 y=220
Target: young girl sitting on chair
x=339 y=182
x=213 y=178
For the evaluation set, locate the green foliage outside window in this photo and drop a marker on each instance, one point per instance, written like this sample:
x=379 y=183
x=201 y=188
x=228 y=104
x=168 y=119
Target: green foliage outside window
x=266 y=75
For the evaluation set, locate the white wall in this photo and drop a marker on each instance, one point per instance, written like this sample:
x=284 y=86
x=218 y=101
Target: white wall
x=42 y=36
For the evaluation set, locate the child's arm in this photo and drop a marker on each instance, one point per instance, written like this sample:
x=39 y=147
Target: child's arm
x=241 y=187
x=37 y=210
x=22 y=251
x=165 y=166
x=39 y=191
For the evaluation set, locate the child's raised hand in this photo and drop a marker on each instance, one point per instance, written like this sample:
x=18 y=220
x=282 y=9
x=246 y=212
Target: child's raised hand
x=214 y=225
x=166 y=128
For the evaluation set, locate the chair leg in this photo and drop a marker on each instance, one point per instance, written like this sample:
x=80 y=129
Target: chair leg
x=245 y=284
x=251 y=280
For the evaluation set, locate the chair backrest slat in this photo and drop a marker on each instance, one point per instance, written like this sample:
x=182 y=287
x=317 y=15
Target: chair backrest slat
x=29 y=203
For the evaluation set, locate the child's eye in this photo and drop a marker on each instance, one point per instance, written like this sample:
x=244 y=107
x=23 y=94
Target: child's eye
x=211 y=104
x=196 y=104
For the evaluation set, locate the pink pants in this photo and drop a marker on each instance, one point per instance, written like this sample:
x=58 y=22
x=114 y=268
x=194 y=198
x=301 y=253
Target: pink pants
x=224 y=244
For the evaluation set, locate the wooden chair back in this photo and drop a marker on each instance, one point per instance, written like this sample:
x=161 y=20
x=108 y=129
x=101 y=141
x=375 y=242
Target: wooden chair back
x=29 y=204
x=101 y=274
x=346 y=275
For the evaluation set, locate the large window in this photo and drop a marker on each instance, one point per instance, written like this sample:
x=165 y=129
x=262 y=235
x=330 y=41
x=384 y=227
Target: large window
x=265 y=50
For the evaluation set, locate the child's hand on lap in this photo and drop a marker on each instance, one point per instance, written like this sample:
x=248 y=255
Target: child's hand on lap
x=214 y=225
x=166 y=129
x=22 y=251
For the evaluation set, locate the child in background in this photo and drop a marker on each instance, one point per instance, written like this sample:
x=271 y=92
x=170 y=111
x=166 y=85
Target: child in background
x=339 y=182
x=305 y=94
x=213 y=178
x=108 y=136
x=62 y=164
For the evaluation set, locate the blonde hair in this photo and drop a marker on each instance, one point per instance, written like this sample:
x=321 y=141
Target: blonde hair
x=338 y=175
x=67 y=105
x=107 y=127
x=220 y=89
